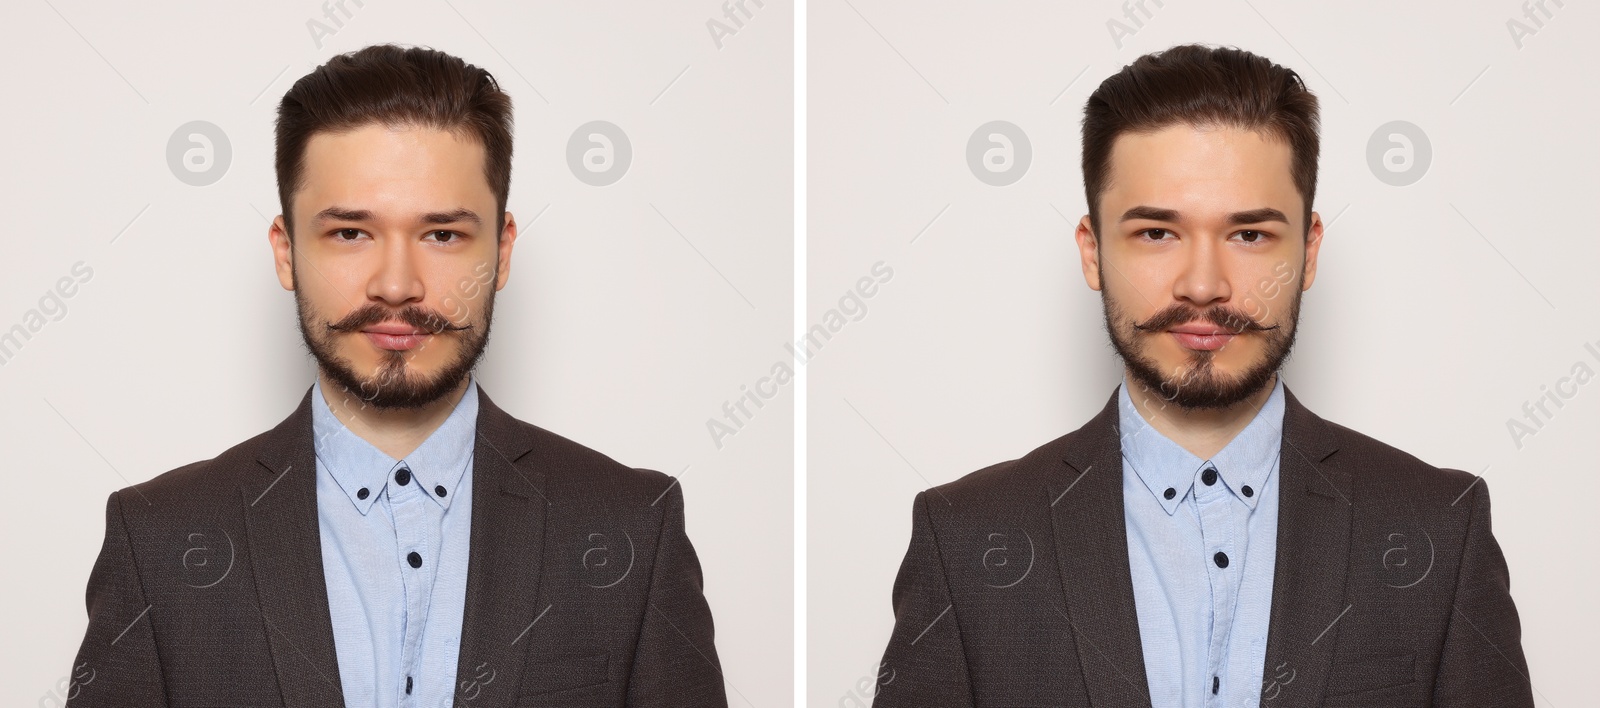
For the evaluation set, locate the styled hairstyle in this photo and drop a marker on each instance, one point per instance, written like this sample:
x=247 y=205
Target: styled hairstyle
x=1192 y=84
x=411 y=87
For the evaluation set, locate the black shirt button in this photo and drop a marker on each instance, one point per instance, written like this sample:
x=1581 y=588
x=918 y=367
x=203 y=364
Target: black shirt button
x=439 y=490
x=408 y=686
x=1248 y=491
x=403 y=476
x=1221 y=559
x=1170 y=493
x=1209 y=476
x=362 y=493
x=1215 y=683
x=415 y=559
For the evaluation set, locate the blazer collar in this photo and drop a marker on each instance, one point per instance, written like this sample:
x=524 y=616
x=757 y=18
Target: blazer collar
x=279 y=506
x=1092 y=551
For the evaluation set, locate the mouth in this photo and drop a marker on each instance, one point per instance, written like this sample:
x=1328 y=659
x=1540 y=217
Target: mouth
x=395 y=337
x=1202 y=337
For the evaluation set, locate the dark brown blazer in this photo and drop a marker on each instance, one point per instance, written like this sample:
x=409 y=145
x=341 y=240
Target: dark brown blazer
x=582 y=589
x=1390 y=589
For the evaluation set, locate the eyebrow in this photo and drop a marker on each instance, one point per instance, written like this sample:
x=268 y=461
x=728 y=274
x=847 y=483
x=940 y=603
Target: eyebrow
x=451 y=217
x=336 y=213
x=1252 y=216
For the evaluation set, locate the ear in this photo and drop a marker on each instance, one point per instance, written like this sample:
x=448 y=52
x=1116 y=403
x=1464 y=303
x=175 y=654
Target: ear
x=282 y=252
x=508 y=238
x=1089 y=253
x=1313 y=245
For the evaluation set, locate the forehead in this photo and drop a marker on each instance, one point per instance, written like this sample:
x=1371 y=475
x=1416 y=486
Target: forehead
x=1200 y=166
x=393 y=167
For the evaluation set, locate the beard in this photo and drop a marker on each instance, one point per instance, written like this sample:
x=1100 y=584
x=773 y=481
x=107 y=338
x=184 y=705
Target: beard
x=1198 y=385
x=395 y=385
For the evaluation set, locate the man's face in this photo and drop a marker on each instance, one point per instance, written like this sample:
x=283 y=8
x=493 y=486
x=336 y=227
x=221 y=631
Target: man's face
x=394 y=262
x=1201 y=261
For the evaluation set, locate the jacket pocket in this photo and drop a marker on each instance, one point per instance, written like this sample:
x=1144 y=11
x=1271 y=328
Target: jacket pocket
x=1361 y=674
x=547 y=675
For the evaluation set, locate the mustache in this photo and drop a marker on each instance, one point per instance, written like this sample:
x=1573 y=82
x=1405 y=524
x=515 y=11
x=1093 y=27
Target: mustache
x=372 y=313
x=1182 y=313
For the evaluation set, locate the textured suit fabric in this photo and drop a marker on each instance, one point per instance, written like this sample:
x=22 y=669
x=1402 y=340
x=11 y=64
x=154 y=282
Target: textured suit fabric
x=582 y=589
x=1389 y=589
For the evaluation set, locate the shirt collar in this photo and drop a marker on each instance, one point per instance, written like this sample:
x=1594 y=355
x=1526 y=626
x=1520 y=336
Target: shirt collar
x=356 y=465
x=1246 y=461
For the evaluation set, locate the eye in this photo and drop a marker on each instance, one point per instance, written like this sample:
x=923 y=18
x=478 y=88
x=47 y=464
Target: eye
x=1252 y=236
x=445 y=236
x=347 y=234
x=1155 y=234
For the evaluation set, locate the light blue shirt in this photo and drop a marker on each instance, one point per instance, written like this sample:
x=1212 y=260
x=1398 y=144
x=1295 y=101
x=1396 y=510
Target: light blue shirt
x=395 y=556
x=1202 y=556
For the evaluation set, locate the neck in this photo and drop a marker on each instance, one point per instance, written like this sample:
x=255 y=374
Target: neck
x=1203 y=432
x=395 y=432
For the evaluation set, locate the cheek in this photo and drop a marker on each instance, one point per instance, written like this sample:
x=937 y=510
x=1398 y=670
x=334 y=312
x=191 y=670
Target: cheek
x=1125 y=307
x=463 y=301
x=333 y=284
x=1268 y=292
x=1132 y=294
x=1148 y=281
x=321 y=303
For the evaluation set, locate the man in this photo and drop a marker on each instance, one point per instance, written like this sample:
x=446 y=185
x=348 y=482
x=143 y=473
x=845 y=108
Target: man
x=398 y=540
x=1206 y=540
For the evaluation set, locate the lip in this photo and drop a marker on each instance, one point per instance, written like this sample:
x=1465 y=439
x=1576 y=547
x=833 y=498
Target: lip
x=395 y=337
x=1202 y=337
x=397 y=329
x=1199 y=329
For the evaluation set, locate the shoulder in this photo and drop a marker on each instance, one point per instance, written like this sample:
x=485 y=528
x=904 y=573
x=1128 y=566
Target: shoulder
x=1009 y=488
x=1382 y=474
x=198 y=489
x=1376 y=473
x=576 y=471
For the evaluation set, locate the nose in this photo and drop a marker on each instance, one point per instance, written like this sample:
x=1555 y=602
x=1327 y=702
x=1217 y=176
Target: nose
x=397 y=280
x=1204 y=278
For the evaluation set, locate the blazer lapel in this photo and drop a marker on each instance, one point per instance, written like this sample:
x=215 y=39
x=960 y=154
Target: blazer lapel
x=503 y=569
x=280 y=511
x=1091 y=543
x=1314 y=516
x=508 y=513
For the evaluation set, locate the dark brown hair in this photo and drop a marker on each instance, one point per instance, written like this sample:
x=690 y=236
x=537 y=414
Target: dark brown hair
x=396 y=87
x=1202 y=86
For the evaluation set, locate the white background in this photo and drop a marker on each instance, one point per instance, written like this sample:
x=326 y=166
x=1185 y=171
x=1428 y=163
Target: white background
x=619 y=328
x=1424 y=329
